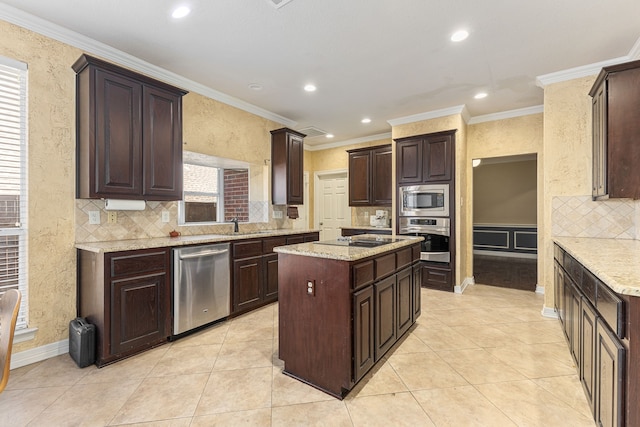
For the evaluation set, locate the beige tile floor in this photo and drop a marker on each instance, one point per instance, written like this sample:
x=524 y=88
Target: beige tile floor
x=484 y=358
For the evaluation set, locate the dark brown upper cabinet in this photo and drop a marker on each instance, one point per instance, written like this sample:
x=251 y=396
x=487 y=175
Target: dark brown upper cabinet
x=287 y=154
x=129 y=134
x=616 y=132
x=425 y=158
x=370 y=176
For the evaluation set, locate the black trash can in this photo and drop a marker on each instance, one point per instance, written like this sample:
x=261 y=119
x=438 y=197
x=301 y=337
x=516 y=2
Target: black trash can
x=82 y=342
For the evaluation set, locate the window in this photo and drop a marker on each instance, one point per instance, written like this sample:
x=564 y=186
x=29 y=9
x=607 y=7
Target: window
x=215 y=190
x=13 y=181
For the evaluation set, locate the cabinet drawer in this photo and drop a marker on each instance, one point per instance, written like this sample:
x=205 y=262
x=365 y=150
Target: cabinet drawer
x=312 y=237
x=573 y=268
x=403 y=257
x=588 y=286
x=292 y=240
x=362 y=274
x=385 y=265
x=129 y=263
x=610 y=307
x=247 y=248
x=558 y=253
x=271 y=242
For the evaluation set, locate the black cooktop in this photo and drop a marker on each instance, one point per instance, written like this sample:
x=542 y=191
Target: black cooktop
x=359 y=242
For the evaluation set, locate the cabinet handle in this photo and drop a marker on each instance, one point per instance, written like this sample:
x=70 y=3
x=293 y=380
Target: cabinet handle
x=205 y=253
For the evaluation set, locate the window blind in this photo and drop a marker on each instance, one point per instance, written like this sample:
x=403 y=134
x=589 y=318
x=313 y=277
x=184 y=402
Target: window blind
x=13 y=181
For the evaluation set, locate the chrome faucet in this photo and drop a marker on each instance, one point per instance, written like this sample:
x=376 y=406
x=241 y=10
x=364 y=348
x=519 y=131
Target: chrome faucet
x=235 y=225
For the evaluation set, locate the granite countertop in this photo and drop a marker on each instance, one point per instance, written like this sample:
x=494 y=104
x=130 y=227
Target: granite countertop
x=162 y=242
x=614 y=261
x=346 y=253
x=366 y=227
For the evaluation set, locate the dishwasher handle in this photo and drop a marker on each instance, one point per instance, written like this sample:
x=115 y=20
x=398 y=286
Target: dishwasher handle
x=204 y=253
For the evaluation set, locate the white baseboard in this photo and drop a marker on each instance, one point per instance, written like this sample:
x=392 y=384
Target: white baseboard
x=39 y=354
x=549 y=312
x=539 y=289
x=468 y=281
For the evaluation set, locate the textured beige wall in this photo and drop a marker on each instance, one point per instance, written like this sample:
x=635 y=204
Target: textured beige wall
x=51 y=133
x=331 y=159
x=464 y=227
x=505 y=193
x=567 y=158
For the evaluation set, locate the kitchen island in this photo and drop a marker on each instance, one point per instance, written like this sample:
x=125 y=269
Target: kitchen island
x=343 y=304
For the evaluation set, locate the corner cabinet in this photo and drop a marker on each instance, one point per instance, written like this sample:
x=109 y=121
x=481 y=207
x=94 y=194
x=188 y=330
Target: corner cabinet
x=425 y=158
x=616 y=131
x=370 y=176
x=129 y=134
x=126 y=295
x=287 y=168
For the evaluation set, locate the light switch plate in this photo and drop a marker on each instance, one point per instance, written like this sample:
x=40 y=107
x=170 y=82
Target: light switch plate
x=165 y=216
x=277 y=214
x=94 y=217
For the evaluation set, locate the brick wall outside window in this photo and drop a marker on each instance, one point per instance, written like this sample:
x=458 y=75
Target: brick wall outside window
x=236 y=194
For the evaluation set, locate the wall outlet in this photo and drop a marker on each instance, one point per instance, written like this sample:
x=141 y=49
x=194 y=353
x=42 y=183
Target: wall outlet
x=277 y=214
x=311 y=287
x=94 y=217
x=112 y=217
x=165 y=216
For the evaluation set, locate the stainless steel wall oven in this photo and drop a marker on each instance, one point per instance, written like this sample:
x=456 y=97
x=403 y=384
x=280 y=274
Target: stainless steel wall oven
x=436 y=232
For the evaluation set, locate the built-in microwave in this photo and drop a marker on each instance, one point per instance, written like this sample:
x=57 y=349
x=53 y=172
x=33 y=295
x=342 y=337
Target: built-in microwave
x=424 y=200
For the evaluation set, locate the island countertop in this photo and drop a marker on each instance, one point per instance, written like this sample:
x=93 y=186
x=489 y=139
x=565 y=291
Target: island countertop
x=348 y=253
x=614 y=261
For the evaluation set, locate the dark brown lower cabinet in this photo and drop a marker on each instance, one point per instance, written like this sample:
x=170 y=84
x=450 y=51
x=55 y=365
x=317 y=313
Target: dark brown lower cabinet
x=248 y=277
x=436 y=276
x=587 y=349
x=405 y=307
x=363 y=335
x=385 y=306
x=126 y=295
x=271 y=277
x=609 y=374
x=417 y=294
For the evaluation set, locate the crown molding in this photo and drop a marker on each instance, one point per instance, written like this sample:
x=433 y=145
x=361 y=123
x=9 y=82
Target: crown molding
x=537 y=109
x=577 y=72
x=61 y=34
x=458 y=109
x=362 y=140
x=634 y=53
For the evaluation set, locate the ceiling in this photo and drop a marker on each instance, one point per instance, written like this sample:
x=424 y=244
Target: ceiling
x=368 y=58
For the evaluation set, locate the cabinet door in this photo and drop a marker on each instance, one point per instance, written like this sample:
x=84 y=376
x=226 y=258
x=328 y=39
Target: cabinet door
x=247 y=283
x=409 y=161
x=270 y=277
x=599 y=129
x=417 y=291
x=609 y=374
x=587 y=349
x=360 y=178
x=438 y=163
x=295 y=184
x=118 y=137
x=381 y=191
x=572 y=321
x=559 y=292
x=405 y=308
x=162 y=144
x=363 y=331
x=385 y=315
x=139 y=312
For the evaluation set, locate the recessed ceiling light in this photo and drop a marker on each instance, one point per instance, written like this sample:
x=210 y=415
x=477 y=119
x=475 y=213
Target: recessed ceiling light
x=460 y=35
x=255 y=86
x=480 y=95
x=181 y=12
x=366 y=120
x=310 y=88
x=329 y=135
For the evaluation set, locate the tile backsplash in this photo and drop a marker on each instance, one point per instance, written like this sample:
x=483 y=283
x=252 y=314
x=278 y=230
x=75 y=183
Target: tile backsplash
x=360 y=215
x=580 y=216
x=148 y=223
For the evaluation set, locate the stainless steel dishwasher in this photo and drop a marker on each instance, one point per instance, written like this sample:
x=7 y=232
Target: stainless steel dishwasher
x=200 y=286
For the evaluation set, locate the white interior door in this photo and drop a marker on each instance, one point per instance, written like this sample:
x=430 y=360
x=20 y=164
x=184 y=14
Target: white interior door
x=332 y=204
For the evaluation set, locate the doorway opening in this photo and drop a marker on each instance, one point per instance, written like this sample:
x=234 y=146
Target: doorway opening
x=505 y=221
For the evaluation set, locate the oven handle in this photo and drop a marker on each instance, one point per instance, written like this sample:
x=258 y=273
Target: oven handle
x=440 y=231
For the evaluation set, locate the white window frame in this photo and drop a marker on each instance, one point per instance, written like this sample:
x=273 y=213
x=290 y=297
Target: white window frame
x=8 y=66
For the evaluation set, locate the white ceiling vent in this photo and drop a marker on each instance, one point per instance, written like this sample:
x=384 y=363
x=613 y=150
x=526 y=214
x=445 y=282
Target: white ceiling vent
x=312 y=132
x=278 y=3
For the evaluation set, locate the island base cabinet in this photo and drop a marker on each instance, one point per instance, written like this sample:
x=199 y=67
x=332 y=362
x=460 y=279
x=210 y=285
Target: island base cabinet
x=385 y=319
x=363 y=333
